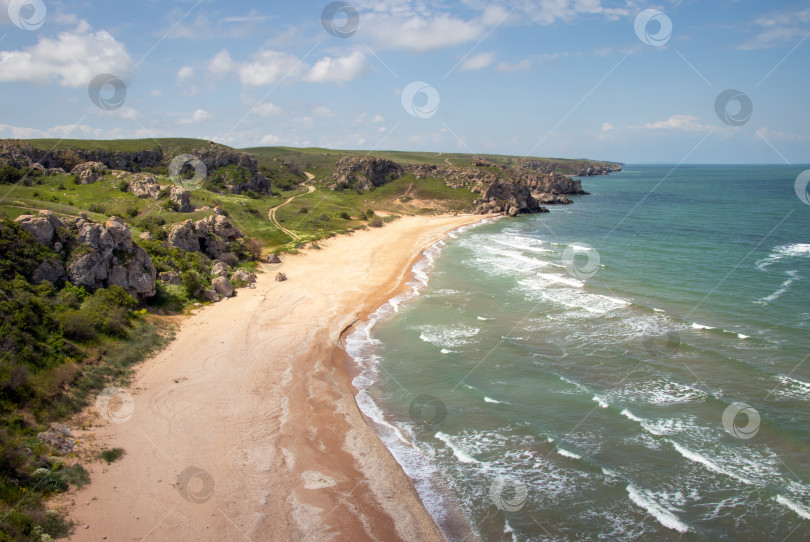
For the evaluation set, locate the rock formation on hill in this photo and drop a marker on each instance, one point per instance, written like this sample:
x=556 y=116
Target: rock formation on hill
x=92 y=255
x=211 y=235
x=364 y=172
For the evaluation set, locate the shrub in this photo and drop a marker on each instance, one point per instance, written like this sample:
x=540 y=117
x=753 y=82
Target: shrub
x=345 y=216
x=111 y=454
x=192 y=282
x=303 y=210
x=376 y=222
x=77 y=325
x=369 y=213
x=9 y=175
x=96 y=208
x=254 y=247
x=123 y=186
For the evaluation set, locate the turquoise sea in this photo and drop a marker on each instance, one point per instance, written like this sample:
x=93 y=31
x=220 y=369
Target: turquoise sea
x=630 y=367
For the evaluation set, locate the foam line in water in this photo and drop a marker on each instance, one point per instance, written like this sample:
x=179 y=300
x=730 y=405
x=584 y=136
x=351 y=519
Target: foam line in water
x=795 y=250
x=565 y=453
x=647 y=501
x=460 y=454
x=490 y=400
x=793 y=505
x=782 y=290
x=630 y=416
x=709 y=464
x=601 y=401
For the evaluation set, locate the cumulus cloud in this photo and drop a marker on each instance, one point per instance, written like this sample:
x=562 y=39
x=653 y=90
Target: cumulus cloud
x=221 y=64
x=778 y=29
x=199 y=116
x=185 y=73
x=337 y=70
x=418 y=33
x=606 y=126
x=66 y=130
x=269 y=67
x=686 y=123
x=71 y=59
x=478 y=62
x=266 y=110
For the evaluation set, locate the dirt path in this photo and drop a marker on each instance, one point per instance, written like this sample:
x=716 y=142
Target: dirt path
x=271 y=214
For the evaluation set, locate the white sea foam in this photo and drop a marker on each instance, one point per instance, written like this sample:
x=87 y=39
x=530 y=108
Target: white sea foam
x=709 y=464
x=490 y=400
x=565 y=453
x=460 y=454
x=803 y=511
x=796 y=250
x=484 y=319
x=448 y=337
x=647 y=501
x=792 y=388
x=630 y=416
x=742 y=336
x=782 y=290
x=660 y=392
x=601 y=401
x=695 y=325
x=446 y=351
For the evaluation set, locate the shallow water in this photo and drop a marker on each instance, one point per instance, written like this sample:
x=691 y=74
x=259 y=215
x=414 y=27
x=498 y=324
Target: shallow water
x=652 y=386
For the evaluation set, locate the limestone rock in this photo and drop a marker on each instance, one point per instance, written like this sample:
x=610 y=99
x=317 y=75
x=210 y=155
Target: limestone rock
x=181 y=198
x=60 y=442
x=220 y=269
x=44 y=227
x=244 y=276
x=169 y=277
x=280 y=277
x=51 y=271
x=211 y=295
x=89 y=172
x=144 y=185
x=273 y=258
x=364 y=172
x=211 y=235
x=222 y=286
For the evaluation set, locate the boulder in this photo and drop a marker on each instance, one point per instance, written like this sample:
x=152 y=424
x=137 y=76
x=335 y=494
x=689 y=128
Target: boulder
x=220 y=269
x=222 y=286
x=280 y=277
x=62 y=429
x=146 y=236
x=245 y=277
x=144 y=185
x=50 y=271
x=61 y=443
x=219 y=210
x=89 y=172
x=181 y=198
x=273 y=258
x=211 y=295
x=44 y=227
x=211 y=235
x=169 y=277
x=364 y=172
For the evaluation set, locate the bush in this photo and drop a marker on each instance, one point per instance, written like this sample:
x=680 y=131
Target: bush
x=96 y=208
x=111 y=454
x=345 y=216
x=77 y=325
x=369 y=213
x=123 y=186
x=9 y=175
x=192 y=282
x=254 y=247
x=376 y=222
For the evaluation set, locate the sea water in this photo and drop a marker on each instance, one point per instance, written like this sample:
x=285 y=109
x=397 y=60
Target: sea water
x=630 y=367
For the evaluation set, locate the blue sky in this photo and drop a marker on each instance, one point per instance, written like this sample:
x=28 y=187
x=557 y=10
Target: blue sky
x=564 y=78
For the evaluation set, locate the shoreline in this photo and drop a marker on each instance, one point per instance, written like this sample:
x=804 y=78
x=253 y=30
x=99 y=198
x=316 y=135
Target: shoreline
x=280 y=447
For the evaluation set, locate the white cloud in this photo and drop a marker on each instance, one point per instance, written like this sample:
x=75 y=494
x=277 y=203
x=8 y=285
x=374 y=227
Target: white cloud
x=156 y=92
x=337 y=70
x=378 y=118
x=185 y=73
x=67 y=130
x=72 y=59
x=266 y=109
x=199 y=116
x=606 y=126
x=414 y=32
x=778 y=29
x=686 y=123
x=270 y=139
x=523 y=65
x=478 y=62
x=322 y=111
x=269 y=67
x=769 y=133
x=221 y=64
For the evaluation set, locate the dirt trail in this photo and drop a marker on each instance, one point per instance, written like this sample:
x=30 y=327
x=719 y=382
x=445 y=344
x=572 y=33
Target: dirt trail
x=271 y=214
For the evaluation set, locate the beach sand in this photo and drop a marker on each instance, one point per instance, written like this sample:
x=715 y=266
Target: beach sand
x=255 y=397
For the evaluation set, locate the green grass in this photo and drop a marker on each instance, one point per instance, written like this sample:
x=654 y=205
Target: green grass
x=180 y=144
x=111 y=454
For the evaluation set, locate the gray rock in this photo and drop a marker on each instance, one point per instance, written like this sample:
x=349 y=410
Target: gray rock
x=211 y=295
x=273 y=258
x=244 y=276
x=50 y=271
x=146 y=236
x=222 y=286
x=220 y=269
x=89 y=172
x=144 y=185
x=181 y=197
x=43 y=227
x=62 y=429
x=281 y=277
x=211 y=235
x=169 y=277
x=61 y=443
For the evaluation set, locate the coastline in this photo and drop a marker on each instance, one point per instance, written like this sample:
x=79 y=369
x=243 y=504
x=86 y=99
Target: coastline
x=281 y=449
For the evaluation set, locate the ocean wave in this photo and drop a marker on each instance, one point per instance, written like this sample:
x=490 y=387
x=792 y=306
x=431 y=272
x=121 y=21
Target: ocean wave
x=782 y=290
x=565 y=453
x=447 y=337
x=630 y=416
x=659 y=392
x=795 y=250
x=490 y=400
x=792 y=388
x=648 y=502
x=709 y=464
x=803 y=511
x=459 y=452
x=601 y=401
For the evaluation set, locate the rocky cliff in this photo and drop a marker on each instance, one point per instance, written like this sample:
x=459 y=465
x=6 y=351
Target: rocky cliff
x=92 y=255
x=364 y=172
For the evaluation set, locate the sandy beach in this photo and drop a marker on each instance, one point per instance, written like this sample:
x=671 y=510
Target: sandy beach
x=245 y=427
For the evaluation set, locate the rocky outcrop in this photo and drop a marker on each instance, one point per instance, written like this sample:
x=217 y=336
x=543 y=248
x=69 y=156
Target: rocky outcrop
x=180 y=197
x=364 y=172
x=44 y=227
x=273 y=258
x=212 y=236
x=507 y=197
x=89 y=172
x=107 y=256
x=60 y=437
x=222 y=286
x=142 y=185
x=169 y=277
x=245 y=277
x=280 y=277
x=211 y=295
x=220 y=269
